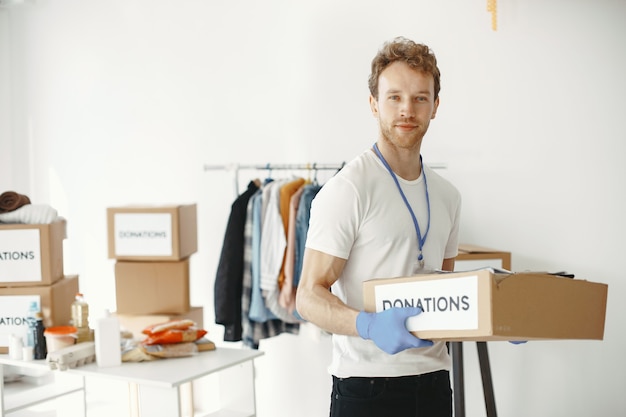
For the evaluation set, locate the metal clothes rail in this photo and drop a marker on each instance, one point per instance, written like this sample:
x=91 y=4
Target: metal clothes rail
x=308 y=166
x=235 y=168
x=260 y=167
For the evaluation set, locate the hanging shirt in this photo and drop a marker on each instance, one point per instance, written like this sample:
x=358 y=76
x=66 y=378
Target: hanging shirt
x=273 y=239
x=229 y=277
x=302 y=227
x=286 y=191
x=287 y=298
x=258 y=310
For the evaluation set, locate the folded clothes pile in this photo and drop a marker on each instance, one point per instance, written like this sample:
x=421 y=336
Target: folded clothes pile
x=17 y=208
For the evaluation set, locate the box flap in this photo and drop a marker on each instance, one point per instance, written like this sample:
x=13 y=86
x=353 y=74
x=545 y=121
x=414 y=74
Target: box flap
x=467 y=248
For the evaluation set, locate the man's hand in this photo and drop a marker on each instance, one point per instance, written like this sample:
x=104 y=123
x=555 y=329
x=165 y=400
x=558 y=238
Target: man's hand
x=388 y=331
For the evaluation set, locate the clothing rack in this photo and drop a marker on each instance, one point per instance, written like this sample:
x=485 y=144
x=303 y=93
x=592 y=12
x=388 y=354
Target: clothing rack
x=208 y=167
x=235 y=168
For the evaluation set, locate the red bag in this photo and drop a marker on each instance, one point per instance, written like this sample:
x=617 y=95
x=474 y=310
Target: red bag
x=174 y=336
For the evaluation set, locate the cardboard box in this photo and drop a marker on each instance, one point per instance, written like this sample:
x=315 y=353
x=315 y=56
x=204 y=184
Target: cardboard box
x=483 y=306
x=475 y=257
x=55 y=302
x=152 y=287
x=135 y=323
x=31 y=254
x=158 y=233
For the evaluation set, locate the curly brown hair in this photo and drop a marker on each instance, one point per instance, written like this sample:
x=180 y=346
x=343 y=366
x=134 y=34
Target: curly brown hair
x=418 y=56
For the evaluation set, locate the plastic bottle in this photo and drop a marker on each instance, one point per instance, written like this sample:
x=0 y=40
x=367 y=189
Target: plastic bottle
x=80 y=318
x=80 y=312
x=40 y=348
x=15 y=347
x=33 y=309
x=108 y=341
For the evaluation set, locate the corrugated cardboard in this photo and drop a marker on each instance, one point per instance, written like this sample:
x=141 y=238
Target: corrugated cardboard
x=135 y=323
x=55 y=302
x=483 y=306
x=31 y=254
x=152 y=287
x=152 y=233
x=477 y=255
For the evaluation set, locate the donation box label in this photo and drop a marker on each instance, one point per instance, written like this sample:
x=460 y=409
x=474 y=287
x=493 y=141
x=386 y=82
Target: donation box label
x=447 y=304
x=143 y=234
x=20 y=255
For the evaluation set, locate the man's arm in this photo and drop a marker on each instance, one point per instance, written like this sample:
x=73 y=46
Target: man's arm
x=314 y=301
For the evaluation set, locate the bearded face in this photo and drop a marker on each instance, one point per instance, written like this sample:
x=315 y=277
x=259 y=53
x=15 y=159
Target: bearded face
x=405 y=105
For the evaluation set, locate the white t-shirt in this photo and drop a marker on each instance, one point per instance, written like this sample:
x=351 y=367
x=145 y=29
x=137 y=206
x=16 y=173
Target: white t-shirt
x=273 y=240
x=359 y=215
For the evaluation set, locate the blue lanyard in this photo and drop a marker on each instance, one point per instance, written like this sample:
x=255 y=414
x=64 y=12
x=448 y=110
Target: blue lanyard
x=420 y=240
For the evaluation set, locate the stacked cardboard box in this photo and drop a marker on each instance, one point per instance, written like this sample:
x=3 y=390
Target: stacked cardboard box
x=152 y=246
x=31 y=273
x=475 y=257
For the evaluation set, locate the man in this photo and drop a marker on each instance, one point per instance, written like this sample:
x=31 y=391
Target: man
x=384 y=214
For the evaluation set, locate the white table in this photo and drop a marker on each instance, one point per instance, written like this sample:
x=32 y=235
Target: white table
x=35 y=384
x=158 y=383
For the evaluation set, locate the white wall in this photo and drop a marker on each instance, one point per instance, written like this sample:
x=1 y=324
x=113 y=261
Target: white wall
x=118 y=102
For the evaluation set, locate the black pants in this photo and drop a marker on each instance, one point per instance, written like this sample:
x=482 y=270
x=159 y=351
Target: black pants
x=427 y=395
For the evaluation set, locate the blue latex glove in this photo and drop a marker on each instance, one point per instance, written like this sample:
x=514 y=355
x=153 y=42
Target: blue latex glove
x=517 y=342
x=388 y=331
